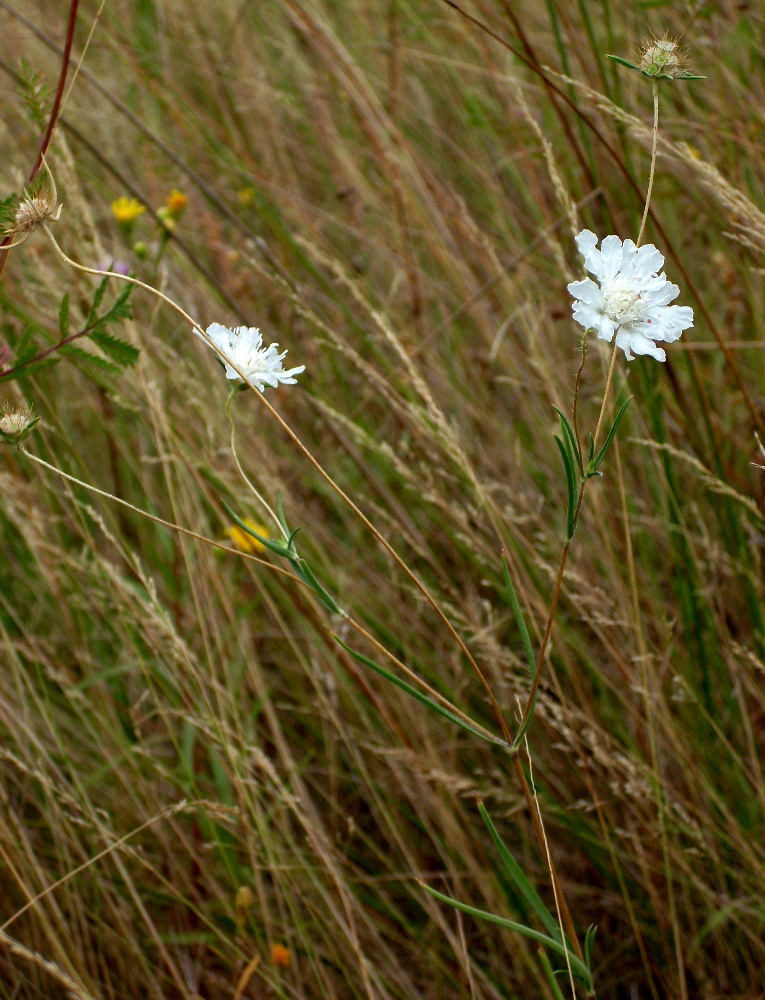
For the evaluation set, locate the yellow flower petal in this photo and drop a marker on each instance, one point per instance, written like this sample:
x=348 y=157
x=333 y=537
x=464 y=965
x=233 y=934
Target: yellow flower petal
x=245 y=542
x=127 y=210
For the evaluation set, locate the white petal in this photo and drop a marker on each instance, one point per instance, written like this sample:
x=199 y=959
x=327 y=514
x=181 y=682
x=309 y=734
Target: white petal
x=586 y=242
x=674 y=320
x=586 y=315
x=657 y=293
x=587 y=291
x=647 y=261
x=612 y=252
x=642 y=345
x=605 y=328
x=623 y=341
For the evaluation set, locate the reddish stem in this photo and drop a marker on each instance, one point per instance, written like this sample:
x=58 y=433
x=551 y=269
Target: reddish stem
x=48 y=135
x=46 y=139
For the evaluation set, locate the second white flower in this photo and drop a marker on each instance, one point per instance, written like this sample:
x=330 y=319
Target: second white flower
x=632 y=297
x=243 y=348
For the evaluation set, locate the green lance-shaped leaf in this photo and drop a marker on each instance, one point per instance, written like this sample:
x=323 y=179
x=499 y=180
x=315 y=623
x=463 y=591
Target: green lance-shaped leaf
x=557 y=992
x=578 y=967
x=97 y=299
x=63 y=317
x=288 y=551
x=280 y=513
x=589 y=941
x=120 y=351
x=276 y=547
x=570 y=439
x=423 y=698
x=519 y=619
x=594 y=465
x=520 y=881
x=324 y=596
x=570 y=487
x=683 y=75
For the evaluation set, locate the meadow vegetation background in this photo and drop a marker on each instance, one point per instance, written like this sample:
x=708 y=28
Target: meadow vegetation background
x=390 y=189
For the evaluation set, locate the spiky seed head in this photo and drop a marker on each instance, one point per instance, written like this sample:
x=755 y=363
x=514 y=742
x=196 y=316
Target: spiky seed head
x=32 y=212
x=662 y=57
x=17 y=422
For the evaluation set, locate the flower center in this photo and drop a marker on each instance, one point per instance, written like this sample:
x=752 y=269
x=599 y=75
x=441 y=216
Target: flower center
x=622 y=302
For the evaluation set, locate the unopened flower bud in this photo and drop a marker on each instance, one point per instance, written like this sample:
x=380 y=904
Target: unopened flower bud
x=176 y=202
x=166 y=217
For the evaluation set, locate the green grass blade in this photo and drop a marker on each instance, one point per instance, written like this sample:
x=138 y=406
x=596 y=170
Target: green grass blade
x=573 y=445
x=570 y=487
x=518 y=877
x=519 y=619
x=611 y=434
x=439 y=709
x=578 y=967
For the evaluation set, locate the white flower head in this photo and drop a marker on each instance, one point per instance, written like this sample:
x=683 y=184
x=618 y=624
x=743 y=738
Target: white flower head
x=243 y=347
x=632 y=298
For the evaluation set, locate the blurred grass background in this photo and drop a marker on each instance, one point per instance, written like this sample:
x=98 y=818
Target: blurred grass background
x=390 y=190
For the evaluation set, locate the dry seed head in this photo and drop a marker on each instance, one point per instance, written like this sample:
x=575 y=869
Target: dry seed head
x=662 y=57
x=32 y=212
x=17 y=421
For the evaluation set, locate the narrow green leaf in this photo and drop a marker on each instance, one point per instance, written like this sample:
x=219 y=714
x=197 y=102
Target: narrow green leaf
x=324 y=596
x=519 y=619
x=570 y=438
x=591 y=454
x=97 y=298
x=63 y=317
x=276 y=547
x=611 y=434
x=522 y=884
x=550 y=973
x=570 y=485
x=578 y=967
x=280 y=514
x=624 y=62
x=120 y=351
x=589 y=941
x=423 y=698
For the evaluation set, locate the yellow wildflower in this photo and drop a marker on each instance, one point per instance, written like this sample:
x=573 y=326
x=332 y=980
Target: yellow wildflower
x=281 y=956
x=176 y=201
x=245 y=542
x=126 y=210
x=246 y=197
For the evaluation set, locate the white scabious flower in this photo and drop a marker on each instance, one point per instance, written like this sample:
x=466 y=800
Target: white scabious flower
x=243 y=347
x=632 y=298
